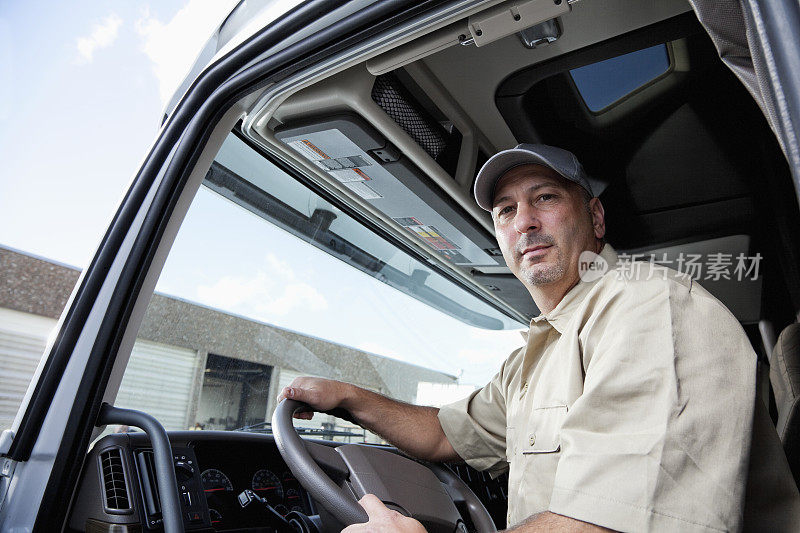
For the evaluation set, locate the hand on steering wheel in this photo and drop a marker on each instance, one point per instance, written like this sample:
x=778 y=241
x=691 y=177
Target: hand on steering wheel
x=383 y=520
x=412 y=488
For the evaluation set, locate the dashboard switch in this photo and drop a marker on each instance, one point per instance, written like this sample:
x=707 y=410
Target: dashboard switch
x=187 y=499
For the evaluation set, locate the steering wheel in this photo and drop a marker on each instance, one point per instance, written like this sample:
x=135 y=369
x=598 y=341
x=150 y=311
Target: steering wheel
x=413 y=489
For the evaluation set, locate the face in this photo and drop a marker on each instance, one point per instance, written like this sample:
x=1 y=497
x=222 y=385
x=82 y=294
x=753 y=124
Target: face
x=543 y=223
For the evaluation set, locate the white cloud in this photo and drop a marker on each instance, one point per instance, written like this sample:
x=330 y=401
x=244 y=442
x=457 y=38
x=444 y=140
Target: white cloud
x=280 y=268
x=295 y=295
x=103 y=35
x=173 y=46
x=268 y=293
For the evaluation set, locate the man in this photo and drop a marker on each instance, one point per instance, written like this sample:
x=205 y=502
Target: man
x=632 y=406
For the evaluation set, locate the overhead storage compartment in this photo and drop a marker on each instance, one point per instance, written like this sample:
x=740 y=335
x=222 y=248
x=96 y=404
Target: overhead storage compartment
x=357 y=156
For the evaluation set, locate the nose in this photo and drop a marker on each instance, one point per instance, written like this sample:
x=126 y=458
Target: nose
x=526 y=219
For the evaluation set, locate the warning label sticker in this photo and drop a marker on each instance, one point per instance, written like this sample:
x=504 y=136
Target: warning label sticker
x=363 y=190
x=344 y=169
x=434 y=238
x=309 y=150
x=349 y=175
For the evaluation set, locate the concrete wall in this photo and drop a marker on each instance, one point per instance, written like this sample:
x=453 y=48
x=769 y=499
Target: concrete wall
x=40 y=287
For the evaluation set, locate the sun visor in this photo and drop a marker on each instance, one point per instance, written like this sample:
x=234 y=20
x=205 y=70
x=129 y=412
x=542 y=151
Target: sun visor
x=353 y=153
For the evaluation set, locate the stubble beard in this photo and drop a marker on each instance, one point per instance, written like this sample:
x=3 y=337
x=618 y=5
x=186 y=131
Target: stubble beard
x=543 y=274
x=537 y=274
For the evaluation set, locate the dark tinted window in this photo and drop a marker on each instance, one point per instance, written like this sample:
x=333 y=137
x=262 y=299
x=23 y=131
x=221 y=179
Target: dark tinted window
x=603 y=83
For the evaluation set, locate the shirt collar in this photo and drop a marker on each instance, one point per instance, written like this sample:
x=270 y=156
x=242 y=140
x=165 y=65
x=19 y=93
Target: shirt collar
x=560 y=315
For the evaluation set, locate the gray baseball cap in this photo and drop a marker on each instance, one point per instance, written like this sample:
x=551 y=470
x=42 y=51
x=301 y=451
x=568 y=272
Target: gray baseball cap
x=560 y=160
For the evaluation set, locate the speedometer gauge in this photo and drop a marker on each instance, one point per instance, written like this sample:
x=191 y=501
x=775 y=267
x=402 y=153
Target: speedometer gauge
x=215 y=481
x=266 y=484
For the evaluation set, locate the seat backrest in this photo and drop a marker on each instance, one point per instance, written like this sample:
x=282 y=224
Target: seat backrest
x=784 y=374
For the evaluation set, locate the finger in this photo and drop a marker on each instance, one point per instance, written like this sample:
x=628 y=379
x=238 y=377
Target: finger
x=283 y=394
x=295 y=393
x=374 y=507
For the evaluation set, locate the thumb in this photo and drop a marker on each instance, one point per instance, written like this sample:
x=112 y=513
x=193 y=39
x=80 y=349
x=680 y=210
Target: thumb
x=293 y=393
x=374 y=507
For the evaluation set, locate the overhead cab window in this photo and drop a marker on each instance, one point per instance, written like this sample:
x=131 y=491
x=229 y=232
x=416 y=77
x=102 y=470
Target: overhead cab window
x=606 y=82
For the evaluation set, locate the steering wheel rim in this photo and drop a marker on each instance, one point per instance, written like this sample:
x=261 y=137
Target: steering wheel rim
x=337 y=500
x=291 y=447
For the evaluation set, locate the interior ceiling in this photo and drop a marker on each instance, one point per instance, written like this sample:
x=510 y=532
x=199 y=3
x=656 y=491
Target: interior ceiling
x=679 y=155
x=677 y=160
x=588 y=23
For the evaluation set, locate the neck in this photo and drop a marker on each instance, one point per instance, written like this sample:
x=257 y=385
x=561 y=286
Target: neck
x=548 y=296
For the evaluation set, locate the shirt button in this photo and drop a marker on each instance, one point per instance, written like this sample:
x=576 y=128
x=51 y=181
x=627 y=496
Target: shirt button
x=532 y=440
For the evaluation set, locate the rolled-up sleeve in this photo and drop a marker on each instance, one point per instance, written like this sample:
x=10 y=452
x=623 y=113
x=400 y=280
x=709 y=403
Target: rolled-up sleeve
x=475 y=427
x=659 y=439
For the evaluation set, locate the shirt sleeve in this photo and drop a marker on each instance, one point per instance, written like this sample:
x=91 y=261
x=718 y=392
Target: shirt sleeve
x=659 y=440
x=476 y=427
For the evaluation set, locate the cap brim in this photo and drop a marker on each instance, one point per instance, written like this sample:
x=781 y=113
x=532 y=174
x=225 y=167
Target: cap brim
x=499 y=164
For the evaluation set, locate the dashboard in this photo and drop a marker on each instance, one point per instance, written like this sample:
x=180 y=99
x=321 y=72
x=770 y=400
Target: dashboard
x=228 y=468
x=117 y=490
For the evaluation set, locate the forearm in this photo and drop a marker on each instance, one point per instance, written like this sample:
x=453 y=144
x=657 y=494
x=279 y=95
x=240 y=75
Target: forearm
x=414 y=429
x=549 y=522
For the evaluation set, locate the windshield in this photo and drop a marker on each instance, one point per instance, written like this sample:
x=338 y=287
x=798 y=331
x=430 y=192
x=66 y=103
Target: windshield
x=268 y=281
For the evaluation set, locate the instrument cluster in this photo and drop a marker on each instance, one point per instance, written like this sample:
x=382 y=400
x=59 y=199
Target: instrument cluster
x=227 y=469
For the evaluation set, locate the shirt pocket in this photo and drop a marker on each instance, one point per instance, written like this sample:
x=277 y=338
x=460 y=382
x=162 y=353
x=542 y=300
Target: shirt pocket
x=544 y=430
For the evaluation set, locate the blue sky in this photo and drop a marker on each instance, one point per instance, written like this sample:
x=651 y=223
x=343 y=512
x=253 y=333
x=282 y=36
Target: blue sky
x=81 y=112
x=90 y=80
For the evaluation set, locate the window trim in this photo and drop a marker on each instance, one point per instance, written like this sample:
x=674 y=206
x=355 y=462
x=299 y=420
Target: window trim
x=629 y=95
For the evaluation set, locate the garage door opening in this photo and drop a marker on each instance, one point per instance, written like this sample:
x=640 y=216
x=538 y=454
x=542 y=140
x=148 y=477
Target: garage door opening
x=234 y=394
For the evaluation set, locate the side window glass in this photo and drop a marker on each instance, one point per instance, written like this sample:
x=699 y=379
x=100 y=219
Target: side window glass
x=267 y=281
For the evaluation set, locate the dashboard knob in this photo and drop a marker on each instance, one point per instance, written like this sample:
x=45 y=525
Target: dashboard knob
x=183 y=471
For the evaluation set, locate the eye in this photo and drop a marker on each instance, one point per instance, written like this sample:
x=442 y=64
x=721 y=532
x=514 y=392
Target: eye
x=505 y=210
x=547 y=197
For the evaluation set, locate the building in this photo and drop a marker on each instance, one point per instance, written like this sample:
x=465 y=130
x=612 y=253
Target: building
x=192 y=366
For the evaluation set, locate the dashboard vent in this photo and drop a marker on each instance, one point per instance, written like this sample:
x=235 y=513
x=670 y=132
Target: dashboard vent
x=116 y=491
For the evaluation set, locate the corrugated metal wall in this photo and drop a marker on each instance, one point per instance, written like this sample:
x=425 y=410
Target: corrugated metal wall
x=22 y=340
x=158 y=381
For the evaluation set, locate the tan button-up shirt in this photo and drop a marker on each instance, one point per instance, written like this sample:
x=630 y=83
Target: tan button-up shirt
x=632 y=407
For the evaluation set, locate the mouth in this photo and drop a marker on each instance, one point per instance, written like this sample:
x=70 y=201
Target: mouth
x=536 y=251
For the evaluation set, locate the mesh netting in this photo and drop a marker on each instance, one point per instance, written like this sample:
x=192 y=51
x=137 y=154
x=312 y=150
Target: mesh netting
x=392 y=97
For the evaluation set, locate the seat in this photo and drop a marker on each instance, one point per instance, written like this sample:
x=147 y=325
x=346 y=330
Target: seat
x=784 y=374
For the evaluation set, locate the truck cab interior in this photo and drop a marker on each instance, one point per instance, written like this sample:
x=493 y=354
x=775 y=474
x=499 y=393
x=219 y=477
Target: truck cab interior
x=360 y=133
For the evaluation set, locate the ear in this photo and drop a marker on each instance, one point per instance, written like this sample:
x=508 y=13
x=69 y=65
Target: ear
x=598 y=217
